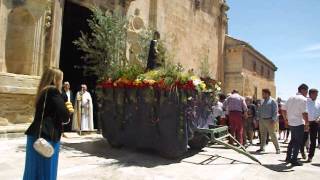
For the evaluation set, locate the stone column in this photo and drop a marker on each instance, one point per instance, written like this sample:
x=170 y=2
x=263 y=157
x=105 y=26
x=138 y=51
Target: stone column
x=3 y=26
x=153 y=14
x=223 y=21
x=53 y=38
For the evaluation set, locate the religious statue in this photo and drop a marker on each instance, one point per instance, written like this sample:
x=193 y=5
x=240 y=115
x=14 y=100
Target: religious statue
x=153 y=60
x=83 y=114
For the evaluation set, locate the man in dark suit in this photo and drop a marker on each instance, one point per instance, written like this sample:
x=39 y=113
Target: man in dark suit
x=67 y=96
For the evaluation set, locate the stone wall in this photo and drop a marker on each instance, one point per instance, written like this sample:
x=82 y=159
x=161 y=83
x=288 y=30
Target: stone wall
x=252 y=81
x=22 y=49
x=16 y=108
x=247 y=70
x=191 y=33
x=17 y=93
x=233 y=81
x=233 y=62
x=253 y=63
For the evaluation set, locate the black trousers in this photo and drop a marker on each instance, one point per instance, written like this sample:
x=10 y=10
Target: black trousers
x=313 y=131
x=318 y=135
x=305 y=139
x=297 y=135
x=314 y=127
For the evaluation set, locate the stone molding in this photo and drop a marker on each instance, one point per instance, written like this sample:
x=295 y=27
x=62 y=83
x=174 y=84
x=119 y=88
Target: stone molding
x=18 y=84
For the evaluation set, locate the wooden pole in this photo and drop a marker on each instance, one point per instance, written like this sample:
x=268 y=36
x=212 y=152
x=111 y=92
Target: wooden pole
x=239 y=150
x=79 y=99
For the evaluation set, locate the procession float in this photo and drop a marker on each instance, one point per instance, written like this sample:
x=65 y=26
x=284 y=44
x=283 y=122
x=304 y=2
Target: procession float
x=165 y=108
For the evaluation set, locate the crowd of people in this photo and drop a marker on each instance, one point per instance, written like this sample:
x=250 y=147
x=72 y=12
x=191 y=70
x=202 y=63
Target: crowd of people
x=269 y=119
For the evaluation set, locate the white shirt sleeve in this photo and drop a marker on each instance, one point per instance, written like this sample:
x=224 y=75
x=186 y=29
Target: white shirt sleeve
x=304 y=106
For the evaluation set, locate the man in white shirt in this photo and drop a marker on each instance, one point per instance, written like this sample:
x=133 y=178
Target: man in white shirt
x=297 y=115
x=313 y=107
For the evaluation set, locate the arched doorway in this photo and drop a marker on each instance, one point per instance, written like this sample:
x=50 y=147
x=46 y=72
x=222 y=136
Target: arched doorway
x=75 y=20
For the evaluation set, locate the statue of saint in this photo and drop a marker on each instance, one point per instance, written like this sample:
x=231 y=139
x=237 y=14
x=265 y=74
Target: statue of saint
x=153 y=60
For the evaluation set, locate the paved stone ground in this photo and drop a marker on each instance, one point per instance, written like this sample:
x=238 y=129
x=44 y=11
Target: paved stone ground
x=90 y=157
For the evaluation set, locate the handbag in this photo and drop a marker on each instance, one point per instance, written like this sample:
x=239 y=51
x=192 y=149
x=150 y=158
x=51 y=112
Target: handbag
x=42 y=146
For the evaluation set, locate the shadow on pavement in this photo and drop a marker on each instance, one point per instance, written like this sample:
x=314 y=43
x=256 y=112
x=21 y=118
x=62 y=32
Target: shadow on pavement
x=283 y=167
x=314 y=164
x=124 y=156
x=210 y=160
x=258 y=153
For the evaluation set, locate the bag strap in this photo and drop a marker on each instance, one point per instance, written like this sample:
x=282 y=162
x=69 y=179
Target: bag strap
x=44 y=106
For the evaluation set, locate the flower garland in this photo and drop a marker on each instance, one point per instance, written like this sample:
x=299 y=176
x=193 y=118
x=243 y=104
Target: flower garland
x=154 y=79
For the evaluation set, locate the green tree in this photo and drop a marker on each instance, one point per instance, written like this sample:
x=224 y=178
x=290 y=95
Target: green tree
x=105 y=47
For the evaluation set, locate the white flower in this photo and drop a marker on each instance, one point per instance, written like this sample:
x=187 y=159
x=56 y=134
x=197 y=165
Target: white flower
x=196 y=82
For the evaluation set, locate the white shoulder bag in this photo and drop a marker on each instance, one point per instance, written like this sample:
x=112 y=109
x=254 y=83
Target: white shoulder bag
x=41 y=145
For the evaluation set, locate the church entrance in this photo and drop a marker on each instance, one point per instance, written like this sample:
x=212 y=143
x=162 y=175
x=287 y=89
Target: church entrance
x=75 y=20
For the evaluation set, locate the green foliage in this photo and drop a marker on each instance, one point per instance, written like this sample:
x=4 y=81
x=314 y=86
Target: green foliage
x=130 y=72
x=105 y=48
x=145 y=36
x=171 y=72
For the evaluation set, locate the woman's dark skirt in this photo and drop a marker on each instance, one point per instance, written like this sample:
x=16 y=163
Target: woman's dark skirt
x=38 y=167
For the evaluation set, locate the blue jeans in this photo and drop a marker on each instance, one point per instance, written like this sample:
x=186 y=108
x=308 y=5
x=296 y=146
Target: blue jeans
x=297 y=135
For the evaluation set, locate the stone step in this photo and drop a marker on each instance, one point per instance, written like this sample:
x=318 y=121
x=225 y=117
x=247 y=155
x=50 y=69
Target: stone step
x=13 y=130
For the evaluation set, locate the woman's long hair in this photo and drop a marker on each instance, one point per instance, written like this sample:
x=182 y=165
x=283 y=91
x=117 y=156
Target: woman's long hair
x=48 y=79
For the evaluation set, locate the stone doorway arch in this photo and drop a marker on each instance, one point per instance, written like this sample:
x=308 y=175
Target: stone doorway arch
x=74 y=21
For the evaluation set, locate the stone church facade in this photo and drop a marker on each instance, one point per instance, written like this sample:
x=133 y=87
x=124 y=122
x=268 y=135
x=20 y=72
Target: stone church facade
x=247 y=70
x=33 y=35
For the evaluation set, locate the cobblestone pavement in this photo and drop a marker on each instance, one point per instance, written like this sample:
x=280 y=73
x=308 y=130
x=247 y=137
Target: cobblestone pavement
x=90 y=157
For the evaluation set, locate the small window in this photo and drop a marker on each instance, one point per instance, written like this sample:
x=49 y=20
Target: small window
x=262 y=70
x=269 y=73
x=254 y=66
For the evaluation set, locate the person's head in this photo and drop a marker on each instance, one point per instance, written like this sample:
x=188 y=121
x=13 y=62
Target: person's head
x=222 y=97
x=156 y=35
x=50 y=77
x=66 y=85
x=266 y=93
x=235 y=91
x=303 y=89
x=83 y=88
x=313 y=94
x=248 y=100
x=279 y=100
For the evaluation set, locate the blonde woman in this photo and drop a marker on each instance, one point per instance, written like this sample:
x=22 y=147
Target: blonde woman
x=55 y=112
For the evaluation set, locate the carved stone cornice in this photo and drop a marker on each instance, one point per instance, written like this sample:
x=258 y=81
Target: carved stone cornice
x=223 y=9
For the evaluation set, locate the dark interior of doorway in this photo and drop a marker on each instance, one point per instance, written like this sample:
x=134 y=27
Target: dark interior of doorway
x=75 y=20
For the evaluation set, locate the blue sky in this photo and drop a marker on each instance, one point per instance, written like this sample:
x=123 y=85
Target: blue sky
x=285 y=31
